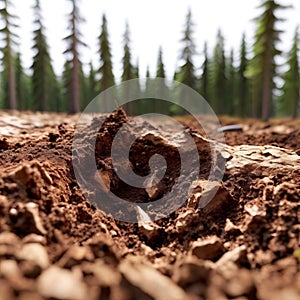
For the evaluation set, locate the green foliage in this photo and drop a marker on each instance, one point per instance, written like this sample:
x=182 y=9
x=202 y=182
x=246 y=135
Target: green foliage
x=66 y=83
x=289 y=101
x=204 y=79
x=218 y=76
x=243 y=98
x=74 y=41
x=186 y=72
x=44 y=84
x=92 y=83
x=106 y=70
x=129 y=72
x=161 y=87
x=231 y=94
x=262 y=68
x=128 y=68
x=9 y=39
x=23 y=85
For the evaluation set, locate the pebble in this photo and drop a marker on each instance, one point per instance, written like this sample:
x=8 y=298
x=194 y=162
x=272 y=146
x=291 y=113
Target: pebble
x=35 y=253
x=210 y=248
x=61 y=284
x=151 y=281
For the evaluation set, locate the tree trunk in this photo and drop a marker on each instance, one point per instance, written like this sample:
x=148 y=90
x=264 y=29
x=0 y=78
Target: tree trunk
x=75 y=81
x=11 y=79
x=267 y=90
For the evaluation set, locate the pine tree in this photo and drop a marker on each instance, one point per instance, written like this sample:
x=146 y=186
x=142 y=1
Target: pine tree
x=106 y=70
x=92 y=83
x=128 y=68
x=231 y=86
x=66 y=82
x=161 y=87
x=129 y=71
x=290 y=100
x=74 y=42
x=8 y=74
x=262 y=68
x=186 y=72
x=83 y=88
x=218 y=97
x=160 y=71
x=23 y=85
x=204 y=80
x=242 y=82
x=146 y=102
x=148 y=85
x=44 y=83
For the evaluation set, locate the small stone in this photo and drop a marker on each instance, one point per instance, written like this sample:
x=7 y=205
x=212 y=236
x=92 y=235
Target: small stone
x=150 y=281
x=232 y=229
x=75 y=255
x=105 y=274
x=34 y=238
x=212 y=197
x=185 y=220
x=146 y=227
x=4 y=144
x=8 y=238
x=192 y=270
x=237 y=255
x=9 y=269
x=61 y=284
x=33 y=211
x=210 y=248
x=35 y=253
x=240 y=284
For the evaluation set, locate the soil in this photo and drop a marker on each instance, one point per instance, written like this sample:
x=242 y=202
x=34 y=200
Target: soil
x=55 y=244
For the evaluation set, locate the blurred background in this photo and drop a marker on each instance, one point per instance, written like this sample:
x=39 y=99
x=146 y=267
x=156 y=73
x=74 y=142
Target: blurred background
x=242 y=56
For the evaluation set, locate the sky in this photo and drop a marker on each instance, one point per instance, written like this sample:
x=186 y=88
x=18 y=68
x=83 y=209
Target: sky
x=152 y=24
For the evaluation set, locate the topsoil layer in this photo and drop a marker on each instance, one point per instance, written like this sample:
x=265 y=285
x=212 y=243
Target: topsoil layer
x=54 y=244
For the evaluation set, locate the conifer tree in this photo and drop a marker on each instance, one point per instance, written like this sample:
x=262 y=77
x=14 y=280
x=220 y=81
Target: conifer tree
x=23 y=86
x=146 y=105
x=9 y=39
x=44 y=83
x=148 y=85
x=204 y=79
x=129 y=71
x=160 y=71
x=74 y=41
x=262 y=68
x=92 y=83
x=66 y=82
x=186 y=72
x=106 y=70
x=231 y=86
x=83 y=88
x=218 y=76
x=289 y=102
x=161 y=87
x=242 y=83
x=128 y=68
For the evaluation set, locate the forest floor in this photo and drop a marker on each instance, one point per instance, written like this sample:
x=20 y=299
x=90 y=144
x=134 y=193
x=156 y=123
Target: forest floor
x=54 y=244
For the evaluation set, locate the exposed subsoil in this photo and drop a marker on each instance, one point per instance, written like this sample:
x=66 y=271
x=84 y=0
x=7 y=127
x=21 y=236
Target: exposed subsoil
x=54 y=244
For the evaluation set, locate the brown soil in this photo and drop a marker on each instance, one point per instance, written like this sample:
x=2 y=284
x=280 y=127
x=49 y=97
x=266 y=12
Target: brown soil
x=54 y=244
